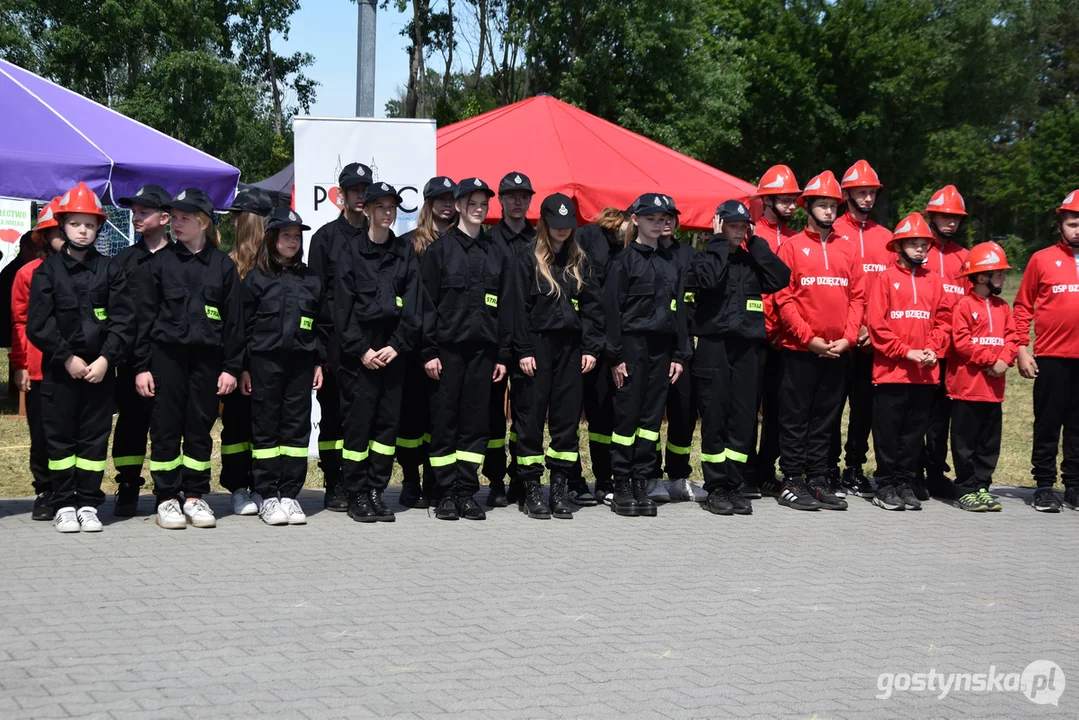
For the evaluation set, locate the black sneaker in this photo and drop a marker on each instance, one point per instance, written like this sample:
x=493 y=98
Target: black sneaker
x=821 y=490
x=336 y=498
x=412 y=495
x=835 y=486
x=496 y=496
x=646 y=507
x=909 y=497
x=605 y=493
x=771 y=487
x=719 y=502
x=1046 y=500
x=360 y=510
x=887 y=498
x=1071 y=497
x=469 y=509
x=856 y=483
x=622 y=501
x=794 y=495
x=127 y=500
x=384 y=514
x=579 y=494
x=42 y=509
x=741 y=504
x=749 y=490
x=447 y=509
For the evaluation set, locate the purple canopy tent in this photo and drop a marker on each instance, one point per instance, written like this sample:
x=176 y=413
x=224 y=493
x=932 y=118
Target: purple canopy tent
x=51 y=138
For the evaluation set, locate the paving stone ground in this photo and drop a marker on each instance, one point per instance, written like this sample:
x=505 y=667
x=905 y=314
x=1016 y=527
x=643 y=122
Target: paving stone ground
x=783 y=614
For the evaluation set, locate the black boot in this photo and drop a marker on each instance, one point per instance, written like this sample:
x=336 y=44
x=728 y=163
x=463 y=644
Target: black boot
x=336 y=498
x=383 y=513
x=531 y=501
x=412 y=495
x=127 y=500
x=623 y=502
x=360 y=510
x=646 y=507
x=560 y=507
x=42 y=509
x=496 y=494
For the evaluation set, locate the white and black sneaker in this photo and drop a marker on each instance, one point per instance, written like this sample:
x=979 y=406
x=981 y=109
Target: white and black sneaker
x=66 y=521
x=909 y=497
x=887 y=498
x=1046 y=500
x=794 y=495
x=88 y=519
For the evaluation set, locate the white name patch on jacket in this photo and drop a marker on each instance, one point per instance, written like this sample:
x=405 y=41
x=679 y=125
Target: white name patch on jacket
x=828 y=281
x=999 y=342
x=1065 y=288
x=955 y=289
x=909 y=314
x=874 y=268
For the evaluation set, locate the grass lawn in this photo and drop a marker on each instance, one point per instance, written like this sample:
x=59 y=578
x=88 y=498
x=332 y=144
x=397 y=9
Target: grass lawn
x=1013 y=468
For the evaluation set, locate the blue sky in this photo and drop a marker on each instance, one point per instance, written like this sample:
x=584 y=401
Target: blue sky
x=327 y=30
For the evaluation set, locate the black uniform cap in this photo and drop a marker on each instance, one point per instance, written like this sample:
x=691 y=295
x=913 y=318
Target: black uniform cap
x=151 y=196
x=282 y=217
x=439 y=185
x=195 y=201
x=650 y=204
x=515 y=182
x=354 y=174
x=252 y=200
x=733 y=211
x=559 y=211
x=470 y=185
x=380 y=189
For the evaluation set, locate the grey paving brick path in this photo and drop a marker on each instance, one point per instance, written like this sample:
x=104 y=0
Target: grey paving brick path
x=783 y=614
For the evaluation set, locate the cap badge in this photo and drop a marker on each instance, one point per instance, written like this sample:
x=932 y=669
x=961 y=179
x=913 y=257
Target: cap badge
x=657 y=202
x=562 y=210
x=292 y=216
x=140 y=192
x=477 y=182
x=447 y=182
x=182 y=195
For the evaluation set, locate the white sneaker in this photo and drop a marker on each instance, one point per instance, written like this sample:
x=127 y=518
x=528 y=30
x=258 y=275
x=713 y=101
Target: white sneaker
x=199 y=514
x=295 y=512
x=657 y=490
x=680 y=490
x=88 y=521
x=169 y=516
x=273 y=512
x=243 y=503
x=66 y=521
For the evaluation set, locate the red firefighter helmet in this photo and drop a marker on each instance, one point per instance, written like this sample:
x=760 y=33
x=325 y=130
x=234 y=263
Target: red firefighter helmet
x=860 y=174
x=913 y=226
x=778 y=180
x=47 y=217
x=985 y=257
x=824 y=185
x=947 y=200
x=81 y=199
x=1070 y=204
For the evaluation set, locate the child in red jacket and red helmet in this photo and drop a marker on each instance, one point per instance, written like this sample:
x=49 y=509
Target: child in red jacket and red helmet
x=908 y=323
x=984 y=346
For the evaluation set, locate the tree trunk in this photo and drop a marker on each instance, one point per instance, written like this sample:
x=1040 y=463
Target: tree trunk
x=277 y=119
x=449 y=54
x=415 y=66
x=481 y=15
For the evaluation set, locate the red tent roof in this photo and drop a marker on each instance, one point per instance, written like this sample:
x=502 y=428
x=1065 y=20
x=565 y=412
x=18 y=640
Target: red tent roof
x=564 y=149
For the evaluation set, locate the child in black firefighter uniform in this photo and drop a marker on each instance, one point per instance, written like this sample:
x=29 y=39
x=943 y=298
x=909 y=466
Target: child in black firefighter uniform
x=732 y=274
x=648 y=346
x=192 y=308
x=82 y=319
x=150 y=218
x=558 y=335
x=283 y=363
x=467 y=343
x=377 y=320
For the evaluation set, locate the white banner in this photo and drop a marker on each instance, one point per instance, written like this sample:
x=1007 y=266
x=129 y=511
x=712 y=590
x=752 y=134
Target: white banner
x=14 y=221
x=399 y=152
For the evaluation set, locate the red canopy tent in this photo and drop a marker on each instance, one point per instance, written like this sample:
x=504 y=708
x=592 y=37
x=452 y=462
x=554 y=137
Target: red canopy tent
x=564 y=149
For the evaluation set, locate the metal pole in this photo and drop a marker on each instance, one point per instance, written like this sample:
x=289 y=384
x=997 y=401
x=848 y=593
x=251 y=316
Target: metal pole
x=365 y=59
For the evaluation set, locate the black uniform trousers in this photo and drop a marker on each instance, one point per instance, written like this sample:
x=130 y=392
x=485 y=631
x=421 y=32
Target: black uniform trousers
x=459 y=418
x=372 y=413
x=639 y=405
x=771 y=375
x=494 y=457
x=132 y=428
x=1056 y=407
x=712 y=376
x=39 y=448
x=77 y=417
x=935 y=455
x=599 y=412
x=810 y=396
x=280 y=421
x=976 y=428
x=553 y=396
x=860 y=420
x=744 y=364
x=414 y=431
x=900 y=414
x=681 y=412
x=236 y=445
x=184 y=411
x=330 y=430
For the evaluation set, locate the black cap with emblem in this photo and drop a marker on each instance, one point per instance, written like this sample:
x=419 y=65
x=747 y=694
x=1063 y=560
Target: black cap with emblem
x=515 y=182
x=650 y=204
x=439 y=185
x=252 y=200
x=194 y=200
x=282 y=217
x=354 y=174
x=377 y=190
x=733 y=211
x=470 y=185
x=671 y=207
x=151 y=196
x=559 y=211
